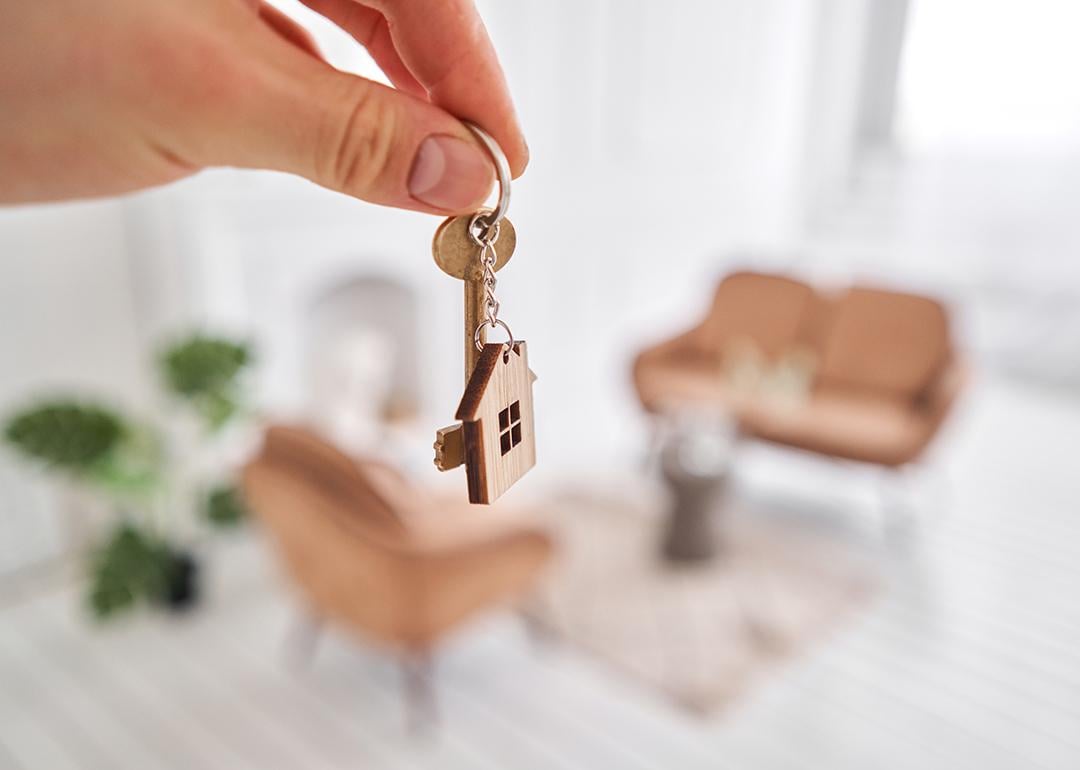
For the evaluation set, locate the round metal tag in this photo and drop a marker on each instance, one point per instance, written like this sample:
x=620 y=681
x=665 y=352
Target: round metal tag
x=457 y=254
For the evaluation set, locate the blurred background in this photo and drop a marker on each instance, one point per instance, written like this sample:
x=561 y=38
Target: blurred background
x=831 y=525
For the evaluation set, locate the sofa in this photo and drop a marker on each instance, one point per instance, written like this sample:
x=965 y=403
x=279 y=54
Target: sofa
x=861 y=374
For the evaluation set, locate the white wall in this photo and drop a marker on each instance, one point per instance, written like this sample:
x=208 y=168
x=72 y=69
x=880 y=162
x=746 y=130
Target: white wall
x=663 y=136
x=67 y=325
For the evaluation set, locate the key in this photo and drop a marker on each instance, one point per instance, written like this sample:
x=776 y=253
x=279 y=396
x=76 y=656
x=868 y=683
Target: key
x=458 y=255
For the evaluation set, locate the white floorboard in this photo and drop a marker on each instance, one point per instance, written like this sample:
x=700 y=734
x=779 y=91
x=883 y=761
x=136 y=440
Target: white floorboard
x=970 y=657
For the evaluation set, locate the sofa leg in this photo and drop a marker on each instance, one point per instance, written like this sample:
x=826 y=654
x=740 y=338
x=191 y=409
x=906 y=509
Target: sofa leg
x=935 y=489
x=418 y=691
x=302 y=639
x=899 y=510
x=657 y=433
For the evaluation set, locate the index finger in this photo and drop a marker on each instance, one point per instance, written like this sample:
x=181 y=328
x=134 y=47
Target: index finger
x=446 y=47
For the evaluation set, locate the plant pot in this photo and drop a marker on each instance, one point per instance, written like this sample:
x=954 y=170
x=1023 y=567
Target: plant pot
x=181 y=591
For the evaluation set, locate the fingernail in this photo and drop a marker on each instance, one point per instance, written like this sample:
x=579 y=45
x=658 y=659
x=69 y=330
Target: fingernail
x=450 y=173
x=525 y=154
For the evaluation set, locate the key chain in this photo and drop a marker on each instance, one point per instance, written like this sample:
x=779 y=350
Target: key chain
x=494 y=438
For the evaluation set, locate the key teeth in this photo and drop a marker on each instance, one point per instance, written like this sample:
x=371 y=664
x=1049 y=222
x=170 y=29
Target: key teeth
x=449 y=447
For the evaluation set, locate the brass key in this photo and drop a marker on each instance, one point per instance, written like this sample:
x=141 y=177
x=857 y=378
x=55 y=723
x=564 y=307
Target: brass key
x=457 y=255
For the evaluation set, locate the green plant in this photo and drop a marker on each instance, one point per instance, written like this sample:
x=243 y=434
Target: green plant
x=224 y=506
x=130 y=567
x=205 y=372
x=90 y=442
x=66 y=435
x=100 y=448
x=133 y=566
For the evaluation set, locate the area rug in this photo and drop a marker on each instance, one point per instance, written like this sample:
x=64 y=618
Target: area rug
x=701 y=633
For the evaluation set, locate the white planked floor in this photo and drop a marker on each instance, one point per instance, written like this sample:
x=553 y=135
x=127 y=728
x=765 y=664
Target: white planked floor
x=971 y=658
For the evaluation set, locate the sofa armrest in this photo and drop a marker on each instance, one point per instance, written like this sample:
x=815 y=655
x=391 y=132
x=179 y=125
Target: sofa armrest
x=937 y=401
x=682 y=346
x=676 y=347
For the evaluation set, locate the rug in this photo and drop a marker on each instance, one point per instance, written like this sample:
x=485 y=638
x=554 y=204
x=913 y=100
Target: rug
x=701 y=633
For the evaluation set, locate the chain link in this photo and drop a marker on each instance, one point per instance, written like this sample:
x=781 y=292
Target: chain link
x=486 y=235
x=491 y=304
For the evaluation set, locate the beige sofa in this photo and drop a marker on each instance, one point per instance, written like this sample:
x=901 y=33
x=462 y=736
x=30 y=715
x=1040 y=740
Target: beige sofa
x=864 y=374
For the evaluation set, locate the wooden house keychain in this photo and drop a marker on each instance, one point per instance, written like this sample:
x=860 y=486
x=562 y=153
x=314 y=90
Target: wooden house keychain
x=494 y=439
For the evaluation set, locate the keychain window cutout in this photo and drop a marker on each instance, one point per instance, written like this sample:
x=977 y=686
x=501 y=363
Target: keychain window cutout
x=496 y=414
x=510 y=427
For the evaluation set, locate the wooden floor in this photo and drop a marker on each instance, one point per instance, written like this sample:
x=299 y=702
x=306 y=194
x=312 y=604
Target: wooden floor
x=971 y=658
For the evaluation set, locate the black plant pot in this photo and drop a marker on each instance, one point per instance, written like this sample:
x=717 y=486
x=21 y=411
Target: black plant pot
x=182 y=584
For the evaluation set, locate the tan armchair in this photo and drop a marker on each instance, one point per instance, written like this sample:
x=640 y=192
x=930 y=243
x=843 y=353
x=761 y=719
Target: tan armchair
x=880 y=369
x=376 y=556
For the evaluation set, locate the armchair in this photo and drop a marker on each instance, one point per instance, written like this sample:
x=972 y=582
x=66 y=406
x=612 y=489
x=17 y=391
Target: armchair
x=374 y=555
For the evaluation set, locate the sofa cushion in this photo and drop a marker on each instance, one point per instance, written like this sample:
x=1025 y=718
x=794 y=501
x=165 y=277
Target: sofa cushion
x=769 y=311
x=868 y=428
x=883 y=341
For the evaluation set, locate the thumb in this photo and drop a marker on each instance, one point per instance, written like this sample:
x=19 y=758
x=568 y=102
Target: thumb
x=355 y=136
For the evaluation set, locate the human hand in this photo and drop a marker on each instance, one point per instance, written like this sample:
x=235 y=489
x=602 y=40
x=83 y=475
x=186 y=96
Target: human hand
x=105 y=97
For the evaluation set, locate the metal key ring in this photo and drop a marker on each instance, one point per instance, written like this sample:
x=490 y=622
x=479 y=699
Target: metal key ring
x=509 y=344
x=490 y=234
x=502 y=173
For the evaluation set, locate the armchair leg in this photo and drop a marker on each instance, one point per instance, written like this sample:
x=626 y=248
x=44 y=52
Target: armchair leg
x=418 y=690
x=539 y=632
x=302 y=639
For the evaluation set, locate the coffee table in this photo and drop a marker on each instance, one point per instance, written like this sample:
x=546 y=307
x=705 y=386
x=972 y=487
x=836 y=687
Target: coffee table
x=695 y=461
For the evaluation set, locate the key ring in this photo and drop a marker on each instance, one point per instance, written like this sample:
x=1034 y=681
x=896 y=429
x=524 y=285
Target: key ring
x=484 y=231
x=502 y=173
x=481 y=232
x=509 y=344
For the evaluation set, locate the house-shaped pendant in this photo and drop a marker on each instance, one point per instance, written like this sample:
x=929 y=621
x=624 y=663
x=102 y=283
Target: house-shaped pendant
x=496 y=414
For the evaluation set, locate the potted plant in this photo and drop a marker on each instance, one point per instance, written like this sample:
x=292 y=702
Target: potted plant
x=138 y=470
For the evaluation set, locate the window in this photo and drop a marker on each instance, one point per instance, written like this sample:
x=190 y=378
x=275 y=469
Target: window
x=991 y=76
x=510 y=427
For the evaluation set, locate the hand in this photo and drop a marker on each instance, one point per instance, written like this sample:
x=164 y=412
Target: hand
x=105 y=97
